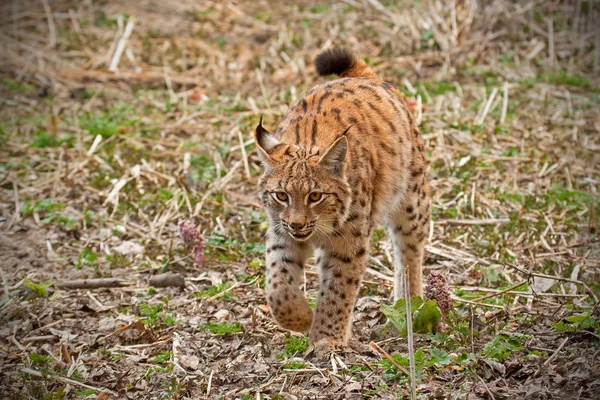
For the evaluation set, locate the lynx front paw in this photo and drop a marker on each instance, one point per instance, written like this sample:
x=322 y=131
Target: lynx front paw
x=322 y=348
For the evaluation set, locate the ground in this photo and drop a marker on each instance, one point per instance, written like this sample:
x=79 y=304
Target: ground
x=121 y=119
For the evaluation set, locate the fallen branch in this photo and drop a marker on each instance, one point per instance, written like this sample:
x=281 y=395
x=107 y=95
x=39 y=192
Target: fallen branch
x=557 y=278
x=93 y=283
x=487 y=296
x=454 y=298
x=558 y=349
x=167 y=280
x=488 y=221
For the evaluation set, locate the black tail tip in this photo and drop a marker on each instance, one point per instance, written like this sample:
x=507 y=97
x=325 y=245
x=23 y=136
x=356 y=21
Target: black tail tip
x=334 y=62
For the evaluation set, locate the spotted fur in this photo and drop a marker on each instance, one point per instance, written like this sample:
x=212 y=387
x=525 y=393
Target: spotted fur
x=347 y=156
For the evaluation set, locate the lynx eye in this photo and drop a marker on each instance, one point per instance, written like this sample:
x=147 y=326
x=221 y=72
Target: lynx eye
x=281 y=196
x=315 y=196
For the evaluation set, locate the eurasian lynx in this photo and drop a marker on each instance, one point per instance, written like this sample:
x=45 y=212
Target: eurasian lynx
x=346 y=156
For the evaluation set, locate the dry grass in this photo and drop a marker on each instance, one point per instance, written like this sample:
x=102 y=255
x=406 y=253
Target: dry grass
x=120 y=119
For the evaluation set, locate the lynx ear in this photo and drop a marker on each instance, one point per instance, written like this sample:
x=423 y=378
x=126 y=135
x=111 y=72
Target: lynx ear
x=334 y=158
x=266 y=143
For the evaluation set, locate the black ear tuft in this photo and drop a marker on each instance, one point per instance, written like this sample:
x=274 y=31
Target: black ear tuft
x=334 y=62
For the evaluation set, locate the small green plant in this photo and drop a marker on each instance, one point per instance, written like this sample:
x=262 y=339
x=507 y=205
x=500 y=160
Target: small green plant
x=503 y=346
x=86 y=393
x=108 y=124
x=86 y=257
x=39 y=359
x=293 y=346
x=153 y=315
x=162 y=357
x=214 y=290
x=573 y=323
x=426 y=315
x=40 y=289
x=294 y=365
x=221 y=328
x=16 y=86
x=113 y=355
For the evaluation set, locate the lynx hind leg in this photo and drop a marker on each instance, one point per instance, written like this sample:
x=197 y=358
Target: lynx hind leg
x=409 y=228
x=285 y=262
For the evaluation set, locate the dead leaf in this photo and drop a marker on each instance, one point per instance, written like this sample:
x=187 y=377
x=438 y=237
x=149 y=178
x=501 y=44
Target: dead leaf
x=189 y=362
x=128 y=248
x=103 y=396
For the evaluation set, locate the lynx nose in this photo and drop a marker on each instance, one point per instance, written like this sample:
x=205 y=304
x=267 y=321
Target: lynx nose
x=296 y=225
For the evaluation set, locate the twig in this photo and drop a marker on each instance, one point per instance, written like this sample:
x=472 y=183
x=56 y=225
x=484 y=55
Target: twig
x=410 y=336
x=51 y=26
x=553 y=356
x=121 y=45
x=486 y=387
x=40 y=338
x=487 y=107
x=212 y=371
x=557 y=278
x=94 y=145
x=487 y=296
x=216 y=296
x=33 y=372
x=93 y=283
x=376 y=347
x=5 y=285
x=504 y=102
x=244 y=154
x=475 y=303
x=489 y=221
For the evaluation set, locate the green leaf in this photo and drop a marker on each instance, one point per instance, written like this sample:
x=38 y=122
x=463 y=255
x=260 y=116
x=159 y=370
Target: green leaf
x=439 y=356
x=86 y=257
x=40 y=289
x=427 y=318
x=397 y=313
x=577 y=318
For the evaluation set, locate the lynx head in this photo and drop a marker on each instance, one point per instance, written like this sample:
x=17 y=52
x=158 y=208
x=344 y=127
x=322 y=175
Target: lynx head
x=304 y=191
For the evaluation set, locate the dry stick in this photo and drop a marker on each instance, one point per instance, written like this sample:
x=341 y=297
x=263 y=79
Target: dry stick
x=5 y=285
x=227 y=290
x=504 y=102
x=51 y=26
x=41 y=338
x=488 y=105
x=409 y=329
x=376 y=347
x=551 y=41
x=557 y=278
x=244 y=154
x=121 y=45
x=475 y=303
x=486 y=387
x=487 y=296
x=93 y=283
x=33 y=372
x=553 y=356
x=212 y=371
x=489 y=221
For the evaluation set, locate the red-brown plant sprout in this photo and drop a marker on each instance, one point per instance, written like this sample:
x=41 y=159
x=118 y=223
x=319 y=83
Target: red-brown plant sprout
x=438 y=291
x=191 y=236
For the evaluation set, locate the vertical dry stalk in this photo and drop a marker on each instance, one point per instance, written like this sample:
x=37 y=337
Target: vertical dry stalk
x=51 y=26
x=410 y=336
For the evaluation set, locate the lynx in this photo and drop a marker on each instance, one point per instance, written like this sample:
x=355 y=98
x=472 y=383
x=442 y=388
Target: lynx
x=346 y=157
